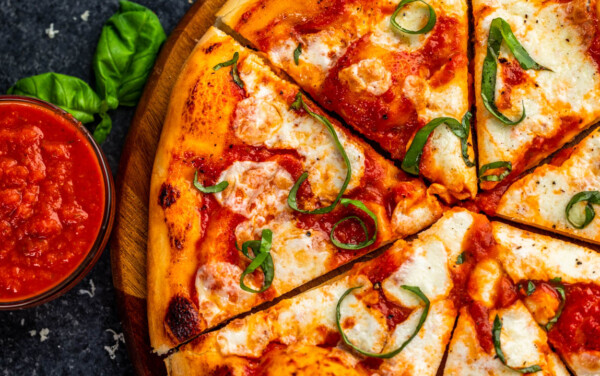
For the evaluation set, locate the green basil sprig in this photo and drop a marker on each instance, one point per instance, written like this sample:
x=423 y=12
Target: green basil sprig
x=431 y=20
x=292 y=202
x=500 y=31
x=496 y=330
x=415 y=290
x=69 y=93
x=213 y=188
x=460 y=259
x=368 y=241
x=125 y=54
x=494 y=165
x=126 y=51
x=560 y=288
x=461 y=130
x=530 y=288
x=262 y=258
x=234 y=70
x=297 y=53
x=592 y=197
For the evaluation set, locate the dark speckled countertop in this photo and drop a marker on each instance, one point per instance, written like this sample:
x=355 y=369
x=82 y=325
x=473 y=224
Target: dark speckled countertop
x=80 y=332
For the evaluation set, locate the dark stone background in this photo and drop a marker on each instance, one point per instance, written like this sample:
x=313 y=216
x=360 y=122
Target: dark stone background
x=83 y=330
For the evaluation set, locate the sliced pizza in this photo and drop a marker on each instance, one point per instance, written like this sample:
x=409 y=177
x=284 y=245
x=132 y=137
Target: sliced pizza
x=559 y=283
x=560 y=196
x=537 y=80
x=495 y=333
x=389 y=316
x=255 y=191
x=397 y=71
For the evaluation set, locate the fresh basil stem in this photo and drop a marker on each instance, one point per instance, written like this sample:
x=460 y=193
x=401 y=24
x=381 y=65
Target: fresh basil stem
x=234 y=70
x=590 y=197
x=431 y=20
x=368 y=241
x=560 y=289
x=496 y=331
x=297 y=53
x=500 y=31
x=292 y=201
x=490 y=166
x=461 y=130
x=127 y=48
x=460 y=259
x=415 y=290
x=262 y=258
x=213 y=188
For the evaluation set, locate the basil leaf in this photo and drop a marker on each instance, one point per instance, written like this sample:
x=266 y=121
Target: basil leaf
x=591 y=197
x=461 y=130
x=460 y=259
x=69 y=93
x=494 y=165
x=415 y=290
x=213 y=188
x=432 y=18
x=297 y=53
x=262 y=258
x=292 y=202
x=103 y=129
x=530 y=288
x=560 y=288
x=500 y=30
x=234 y=71
x=496 y=330
x=125 y=54
x=368 y=241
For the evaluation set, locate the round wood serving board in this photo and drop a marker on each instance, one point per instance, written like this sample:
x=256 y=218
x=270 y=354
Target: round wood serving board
x=128 y=244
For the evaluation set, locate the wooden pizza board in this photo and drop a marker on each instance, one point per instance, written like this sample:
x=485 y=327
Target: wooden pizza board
x=128 y=244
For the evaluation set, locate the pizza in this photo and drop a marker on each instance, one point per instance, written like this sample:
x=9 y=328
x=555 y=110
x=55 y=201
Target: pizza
x=386 y=69
x=559 y=196
x=406 y=298
x=539 y=89
x=240 y=170
x=316 y=207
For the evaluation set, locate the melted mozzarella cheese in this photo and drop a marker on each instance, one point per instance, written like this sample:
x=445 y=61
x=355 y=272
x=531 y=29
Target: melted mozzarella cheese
x=541 y=197
x=256 y=189
x=368 y=75
x=303 y=133
x=365 y=327
x=572 y=87
x=525 y=255
x=451 y=231
x=426 y=268
x=484 y=282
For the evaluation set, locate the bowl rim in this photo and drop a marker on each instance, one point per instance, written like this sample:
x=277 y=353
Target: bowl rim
x=97 y=248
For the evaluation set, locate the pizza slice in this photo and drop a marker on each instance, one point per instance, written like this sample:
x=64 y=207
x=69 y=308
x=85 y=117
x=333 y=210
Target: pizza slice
x=559 y=283
x=255 y=191
x=560 y=196
x=495 y=333
x=389 y=316
x=537 y=82
x=395 y=71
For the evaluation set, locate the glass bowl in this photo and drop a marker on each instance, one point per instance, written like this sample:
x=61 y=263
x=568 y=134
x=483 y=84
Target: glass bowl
x=94 y=253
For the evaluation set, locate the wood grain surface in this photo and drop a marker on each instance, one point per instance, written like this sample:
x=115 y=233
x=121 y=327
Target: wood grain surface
x=128 y=244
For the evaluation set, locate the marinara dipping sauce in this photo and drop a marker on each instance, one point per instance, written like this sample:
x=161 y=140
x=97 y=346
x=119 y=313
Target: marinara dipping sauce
x=56 y=205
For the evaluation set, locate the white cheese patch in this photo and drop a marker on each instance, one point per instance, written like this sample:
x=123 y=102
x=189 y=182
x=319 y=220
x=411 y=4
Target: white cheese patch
x=426 y=268
x=525 y=255
x=365 y=327
x=256 y=190
x=484 y=282
x=451 y=231
x=368 y=75
x=289 y=130
x=542 y=196
x=322 y=49
x=520 y=337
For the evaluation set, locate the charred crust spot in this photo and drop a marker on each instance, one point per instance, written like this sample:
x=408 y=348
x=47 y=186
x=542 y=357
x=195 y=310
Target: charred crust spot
x=167 y=195
x=182 y=318
x=210 y=48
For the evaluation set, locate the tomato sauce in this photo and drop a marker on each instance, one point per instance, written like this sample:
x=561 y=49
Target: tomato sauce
x=51 y=199
x=578 y=328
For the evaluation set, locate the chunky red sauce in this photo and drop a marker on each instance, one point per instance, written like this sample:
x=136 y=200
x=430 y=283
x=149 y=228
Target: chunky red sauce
x=51 y=199
x=480 y=315
x=578 y=327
